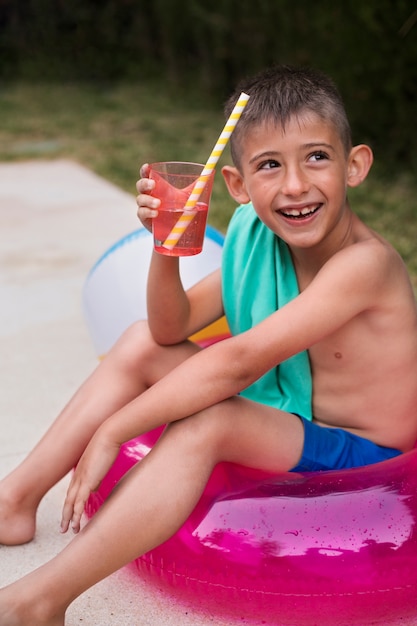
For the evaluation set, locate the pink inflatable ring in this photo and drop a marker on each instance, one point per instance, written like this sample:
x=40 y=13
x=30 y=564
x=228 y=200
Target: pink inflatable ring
x=326 y=548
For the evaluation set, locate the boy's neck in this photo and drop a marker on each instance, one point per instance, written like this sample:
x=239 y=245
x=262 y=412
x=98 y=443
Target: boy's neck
x=309 y=261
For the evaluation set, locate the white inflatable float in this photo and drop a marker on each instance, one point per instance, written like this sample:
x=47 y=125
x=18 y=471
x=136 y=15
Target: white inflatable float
x=114 y=294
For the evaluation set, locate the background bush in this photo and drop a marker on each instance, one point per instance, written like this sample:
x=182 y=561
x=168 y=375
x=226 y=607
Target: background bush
x=369 y=47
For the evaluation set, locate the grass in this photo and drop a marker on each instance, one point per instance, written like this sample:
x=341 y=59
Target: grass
x=112 y=129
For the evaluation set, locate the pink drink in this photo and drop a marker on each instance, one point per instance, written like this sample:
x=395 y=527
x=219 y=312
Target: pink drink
x=174 y=184
x=191 y=241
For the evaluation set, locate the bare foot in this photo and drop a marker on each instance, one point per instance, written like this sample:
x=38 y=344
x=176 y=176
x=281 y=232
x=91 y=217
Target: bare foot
x=17 y=520
x=18 y=608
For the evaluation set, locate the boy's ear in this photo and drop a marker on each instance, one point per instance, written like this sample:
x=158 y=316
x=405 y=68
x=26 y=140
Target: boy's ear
x=235 y=184
x=360 y=162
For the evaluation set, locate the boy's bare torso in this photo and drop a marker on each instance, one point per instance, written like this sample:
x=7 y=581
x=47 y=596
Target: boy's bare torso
x=365 y=374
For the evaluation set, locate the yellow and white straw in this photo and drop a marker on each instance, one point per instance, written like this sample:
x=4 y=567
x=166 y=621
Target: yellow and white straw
x=189 y=212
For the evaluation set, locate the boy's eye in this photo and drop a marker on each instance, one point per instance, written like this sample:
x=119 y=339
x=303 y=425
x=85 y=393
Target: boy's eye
x=319 y=155
x=269 y=164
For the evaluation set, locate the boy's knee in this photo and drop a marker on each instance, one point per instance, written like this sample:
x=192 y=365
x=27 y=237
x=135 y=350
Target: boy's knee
x=207 y=428
x=135 y=342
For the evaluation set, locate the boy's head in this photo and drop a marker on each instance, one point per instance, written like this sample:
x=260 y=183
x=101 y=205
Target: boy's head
x=282 y=92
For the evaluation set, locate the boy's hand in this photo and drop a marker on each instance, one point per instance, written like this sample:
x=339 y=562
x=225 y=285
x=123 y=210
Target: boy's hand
x=147 y=204
x=94 y=464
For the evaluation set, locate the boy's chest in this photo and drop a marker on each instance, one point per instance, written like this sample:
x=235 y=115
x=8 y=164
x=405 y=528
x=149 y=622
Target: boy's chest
x=348 y=348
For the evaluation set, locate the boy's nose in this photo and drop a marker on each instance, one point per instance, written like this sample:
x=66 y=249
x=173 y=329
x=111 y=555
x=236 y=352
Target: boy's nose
x=295 y=182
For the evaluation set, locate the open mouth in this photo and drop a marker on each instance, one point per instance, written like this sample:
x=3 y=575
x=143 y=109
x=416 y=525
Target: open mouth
x=299 y=214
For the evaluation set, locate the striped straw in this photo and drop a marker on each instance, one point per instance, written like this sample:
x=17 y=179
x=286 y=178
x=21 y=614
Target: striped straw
x=189 y=212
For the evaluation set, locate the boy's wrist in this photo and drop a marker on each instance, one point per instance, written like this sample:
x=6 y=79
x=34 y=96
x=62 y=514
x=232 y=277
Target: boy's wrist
x=108 y=434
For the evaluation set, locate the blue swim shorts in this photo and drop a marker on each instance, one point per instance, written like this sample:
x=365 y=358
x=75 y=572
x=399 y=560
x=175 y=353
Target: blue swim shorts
x=335 y=448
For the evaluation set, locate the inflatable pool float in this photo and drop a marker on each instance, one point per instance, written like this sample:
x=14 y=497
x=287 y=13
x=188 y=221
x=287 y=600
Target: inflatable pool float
x=114 y=293
x=322 y=548
x=325 y=548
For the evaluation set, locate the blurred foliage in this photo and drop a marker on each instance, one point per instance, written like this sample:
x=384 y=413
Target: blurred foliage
x=112 y=129
x=202 y=47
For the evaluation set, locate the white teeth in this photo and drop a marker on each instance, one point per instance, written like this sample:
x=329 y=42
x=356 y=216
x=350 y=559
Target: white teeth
x=298 y=213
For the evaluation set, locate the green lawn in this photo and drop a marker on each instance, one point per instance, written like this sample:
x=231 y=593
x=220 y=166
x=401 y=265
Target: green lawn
x=113 y=129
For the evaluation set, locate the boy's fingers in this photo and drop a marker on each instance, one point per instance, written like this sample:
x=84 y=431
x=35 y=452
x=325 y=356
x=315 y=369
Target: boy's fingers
x=146 y=214
x=69 y=506
x=67 y=513
x=76 y=520
x=145 y=185
x=144 y=170
x=72 y=513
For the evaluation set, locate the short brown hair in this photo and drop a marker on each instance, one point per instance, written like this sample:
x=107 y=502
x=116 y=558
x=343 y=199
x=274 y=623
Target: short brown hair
x=279 y=93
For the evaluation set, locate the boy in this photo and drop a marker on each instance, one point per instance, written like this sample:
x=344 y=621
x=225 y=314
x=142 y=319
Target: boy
x=250 y=399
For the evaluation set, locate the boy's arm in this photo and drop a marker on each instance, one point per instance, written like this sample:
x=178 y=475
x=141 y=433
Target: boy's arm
x=173 y=313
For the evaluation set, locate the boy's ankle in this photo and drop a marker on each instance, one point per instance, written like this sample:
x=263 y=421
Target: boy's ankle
x=15 y=497
x=17 y=518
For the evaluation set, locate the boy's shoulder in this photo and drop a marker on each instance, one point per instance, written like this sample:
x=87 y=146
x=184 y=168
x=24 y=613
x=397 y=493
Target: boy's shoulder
x=356 y=260
x=370 y=250
x=369 y=263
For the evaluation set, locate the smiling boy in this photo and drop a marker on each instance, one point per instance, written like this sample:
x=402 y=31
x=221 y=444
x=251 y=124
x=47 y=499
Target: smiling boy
x=319 y=373
x=295 y=165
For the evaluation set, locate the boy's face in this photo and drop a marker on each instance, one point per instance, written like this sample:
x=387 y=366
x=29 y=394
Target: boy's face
x=297 y=178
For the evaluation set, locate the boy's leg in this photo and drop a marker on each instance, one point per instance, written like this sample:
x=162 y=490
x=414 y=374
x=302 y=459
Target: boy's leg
x=154 y=500
x=133 y=364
